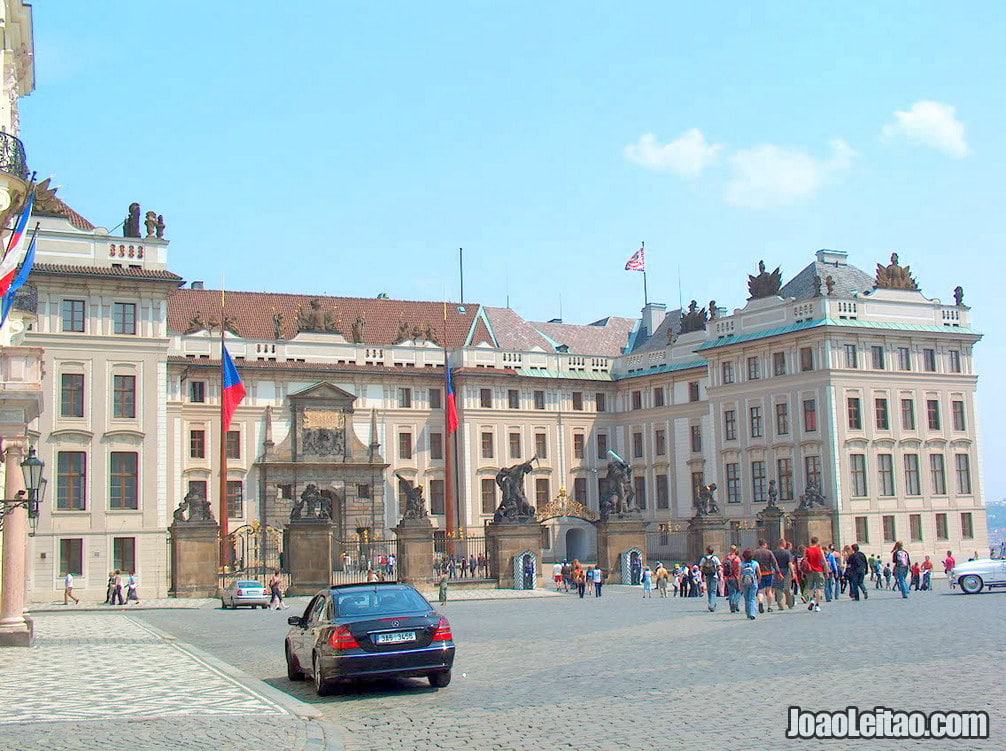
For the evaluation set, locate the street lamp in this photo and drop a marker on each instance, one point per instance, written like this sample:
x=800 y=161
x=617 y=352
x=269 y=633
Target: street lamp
x=31 y=498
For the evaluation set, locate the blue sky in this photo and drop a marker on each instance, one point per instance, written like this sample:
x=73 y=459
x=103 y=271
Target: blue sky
x=352 y=148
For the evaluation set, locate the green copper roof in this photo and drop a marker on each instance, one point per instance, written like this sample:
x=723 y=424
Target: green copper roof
x=578 y=375
x=663 y=368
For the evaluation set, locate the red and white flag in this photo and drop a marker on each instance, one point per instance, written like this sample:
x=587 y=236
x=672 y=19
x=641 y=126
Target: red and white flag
x=638 y=260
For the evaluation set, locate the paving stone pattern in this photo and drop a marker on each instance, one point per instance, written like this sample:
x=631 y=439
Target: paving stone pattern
x=627 y=673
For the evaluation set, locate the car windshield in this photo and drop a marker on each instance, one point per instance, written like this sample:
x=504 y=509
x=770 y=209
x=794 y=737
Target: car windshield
x=248 y=585
x=377 y=602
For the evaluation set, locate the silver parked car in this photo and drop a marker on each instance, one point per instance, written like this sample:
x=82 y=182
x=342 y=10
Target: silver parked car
x=245 y=592
x=982 y=573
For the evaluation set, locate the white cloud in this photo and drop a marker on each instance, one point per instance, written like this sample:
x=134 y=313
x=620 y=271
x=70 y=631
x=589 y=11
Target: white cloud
x=931 y=124
x=766 y=176
x=687 y=155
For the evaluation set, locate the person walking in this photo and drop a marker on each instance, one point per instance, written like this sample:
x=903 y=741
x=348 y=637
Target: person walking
x=276 y=591
x=68 y=590
x=948 y=567
x=709 y=564
x=598 y=580
x=117 y=589
x=782 y=583
x=814 y=558
x=887 y=575
x=110 y=588
x=557 y=575
x=132 y=595
x=442 y=589
x=902 y=565
x=590 y=581
x=832 y=575
x=579 y=578
x=927 y=574
x=731 y=567
x=916 y=576
x=647 y=581
x=855 y=569
x=767 y=569
x=661 y=575
x=750 y=576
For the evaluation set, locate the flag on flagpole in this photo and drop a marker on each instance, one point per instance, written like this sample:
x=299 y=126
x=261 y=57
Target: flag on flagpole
x=451 y=405
x=12 y=259
x=233 y=390
x=19 y=280
x=638 y=260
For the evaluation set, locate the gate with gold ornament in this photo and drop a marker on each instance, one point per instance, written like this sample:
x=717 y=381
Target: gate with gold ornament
x=568 y=529
x=257 y=551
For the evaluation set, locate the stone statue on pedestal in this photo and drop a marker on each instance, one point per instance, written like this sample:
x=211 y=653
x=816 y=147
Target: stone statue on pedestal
x=193 y=508
x=705 y=504
x=812 y=497
x=514 y=506
x=311 y=506
x=415 y=507
x=773 y=495
x=620 y=497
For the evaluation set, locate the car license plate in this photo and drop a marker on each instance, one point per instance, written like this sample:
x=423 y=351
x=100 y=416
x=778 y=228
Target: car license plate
x=399 y=637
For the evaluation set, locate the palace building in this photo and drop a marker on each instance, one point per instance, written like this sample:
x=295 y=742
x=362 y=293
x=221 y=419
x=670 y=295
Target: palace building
x=853 y=380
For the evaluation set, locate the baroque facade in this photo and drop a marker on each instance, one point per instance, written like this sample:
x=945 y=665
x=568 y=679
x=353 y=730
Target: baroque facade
x=854 y=381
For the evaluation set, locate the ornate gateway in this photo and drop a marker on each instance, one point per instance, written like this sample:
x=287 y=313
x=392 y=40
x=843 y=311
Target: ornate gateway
x=563 y=505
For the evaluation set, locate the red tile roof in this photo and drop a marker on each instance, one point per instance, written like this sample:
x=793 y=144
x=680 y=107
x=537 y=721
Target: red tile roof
x=53 y=206
x=513 y=332
x=605 y=340
x=107 y=272
x=253 y=314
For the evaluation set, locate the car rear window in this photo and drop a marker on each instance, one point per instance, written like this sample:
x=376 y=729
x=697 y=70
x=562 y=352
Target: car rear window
x=377 y=602
x=249 y=585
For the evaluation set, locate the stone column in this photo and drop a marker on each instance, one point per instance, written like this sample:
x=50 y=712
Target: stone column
x=15 y=629
x=507 y=540
x=813 y=522
x=705 y=531
x=616 y=538
x=415 y=550
x=195 y=559
x=308 y=554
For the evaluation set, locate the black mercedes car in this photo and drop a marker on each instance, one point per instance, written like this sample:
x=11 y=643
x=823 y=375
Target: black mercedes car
x=370 y=630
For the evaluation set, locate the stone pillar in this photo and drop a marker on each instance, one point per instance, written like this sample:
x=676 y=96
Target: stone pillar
x=308 y=554
x=813 y=522
x=616 y=538
x=195 y=559
x=15 y=629
x=704 y=531
x=771 y=527
x=507 y=540
x=415 y=550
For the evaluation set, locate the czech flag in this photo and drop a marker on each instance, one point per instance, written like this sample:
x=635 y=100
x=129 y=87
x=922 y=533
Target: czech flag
x=19 y=280
x=233 y=391
x=12 y=259
x=451 y=405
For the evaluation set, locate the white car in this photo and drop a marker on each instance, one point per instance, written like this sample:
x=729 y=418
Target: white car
x=983 y=573
x=245 y=592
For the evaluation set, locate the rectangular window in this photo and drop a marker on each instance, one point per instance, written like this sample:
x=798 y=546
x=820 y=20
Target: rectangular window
x=806 y=359
x=938 y=474
x=235 y=499
x=436 y=399
x=513 y=399
x=658 y=397
x=754 y=369
x=862 y=529
x=885 y=471
x=779 y=363
x=809 y=415
x=851 y=356
x=123 y=477
x=197 y=392
x=929 y=360
x=907 y=414
x=580 y=490
x=857 y=463
x=784 y=470
x=71 y=400
x=541 y=492
x=362 y=491
x=404 y=398
x=962 y=463
x=539 y=400
x=71 y=480
x=578 y=445
x=73 y=316
x=578 y=401
x=913 y=483
x=488 y=495
x=887 y=522
x=405 y=445
x=958 y=415
x=540 y=445
x=660 y=442
x=758 y=481
x=855 y=414
x=124 y=554
x=233 y=444
x=124 y=318
x=727 y=369
x=71 y=556
x=197 y=444
x=402 y=496
x=757 y=430
x=812 y=470
x=486 y=398
x=915 y=527
x=933 y=413
x=663 y=492
x=637 y=399
x=637 y=445
x=693 y=391
x=600 y=404
x=967 y=526
x=904 y=358
x=942 y=531
x=883 y=419
x=487 y=445
x=437 y=505
x=733 y=474
x=514 y=440
x=782 y=418
x=602 y=446
x=877 y=356
x=640 y=485
x=730 y=425
x=955 y=361
x=436 y=446
x=696 y=439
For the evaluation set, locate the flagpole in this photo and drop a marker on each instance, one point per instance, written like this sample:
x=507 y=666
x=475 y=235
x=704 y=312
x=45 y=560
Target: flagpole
x=225 y=557
x=450 y=520
x=646 y=298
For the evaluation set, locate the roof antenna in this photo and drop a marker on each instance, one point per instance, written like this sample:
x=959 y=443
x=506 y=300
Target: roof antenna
x=560 y=307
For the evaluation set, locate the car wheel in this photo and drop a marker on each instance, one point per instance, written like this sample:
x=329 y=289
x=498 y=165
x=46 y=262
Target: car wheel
x=293 y=671
x=321 y=686
x=441 y=679
x=971 y=584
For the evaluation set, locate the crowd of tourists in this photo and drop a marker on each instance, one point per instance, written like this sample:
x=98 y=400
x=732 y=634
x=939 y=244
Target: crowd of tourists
x=585 y=580
x=461 y=566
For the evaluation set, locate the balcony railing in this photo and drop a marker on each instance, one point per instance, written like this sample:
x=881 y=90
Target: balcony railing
x=12 y=157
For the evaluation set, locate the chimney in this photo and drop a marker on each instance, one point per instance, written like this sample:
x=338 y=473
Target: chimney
x=196 y=285
x=833 y=257
x=653 y=316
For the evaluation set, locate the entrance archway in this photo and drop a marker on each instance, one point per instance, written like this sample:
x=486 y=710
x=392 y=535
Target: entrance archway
x=576 y=544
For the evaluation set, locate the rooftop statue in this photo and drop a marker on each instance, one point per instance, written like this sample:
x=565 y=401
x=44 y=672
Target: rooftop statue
x=895 y=276
x=693 y=319
x=764 y=284
x=131 y=224
x=958 y=295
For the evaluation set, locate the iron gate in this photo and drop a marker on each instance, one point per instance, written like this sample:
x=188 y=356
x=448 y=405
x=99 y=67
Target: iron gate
x=362 y=559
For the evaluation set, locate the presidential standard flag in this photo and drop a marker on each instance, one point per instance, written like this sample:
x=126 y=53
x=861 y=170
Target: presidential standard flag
x=638 y=260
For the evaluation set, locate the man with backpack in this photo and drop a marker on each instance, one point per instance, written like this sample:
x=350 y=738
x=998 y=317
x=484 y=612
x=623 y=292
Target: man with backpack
x=710 y=567
x=902 y=565
x=731 y=568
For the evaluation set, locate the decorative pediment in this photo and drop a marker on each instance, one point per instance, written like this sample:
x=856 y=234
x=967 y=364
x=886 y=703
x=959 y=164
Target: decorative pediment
x=323 y=391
